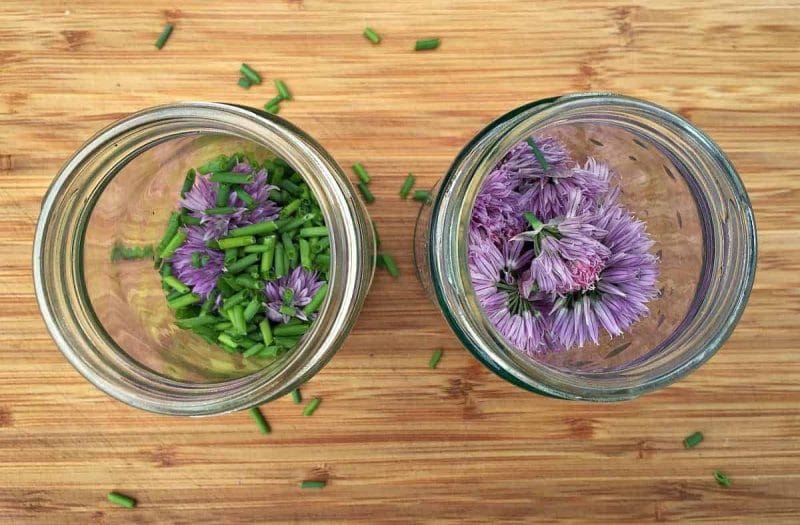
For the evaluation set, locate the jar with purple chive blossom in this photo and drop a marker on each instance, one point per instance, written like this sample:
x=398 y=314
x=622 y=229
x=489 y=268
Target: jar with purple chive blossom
x=111 y=319
x=589 y=247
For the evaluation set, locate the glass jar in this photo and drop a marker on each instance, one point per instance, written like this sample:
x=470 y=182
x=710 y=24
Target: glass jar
x=675 y=179
x=110 y=319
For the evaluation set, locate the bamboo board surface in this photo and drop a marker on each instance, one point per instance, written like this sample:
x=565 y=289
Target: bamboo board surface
x=399 y=442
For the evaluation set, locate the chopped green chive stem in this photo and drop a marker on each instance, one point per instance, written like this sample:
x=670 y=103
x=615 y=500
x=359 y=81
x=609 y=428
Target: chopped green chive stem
x=175 y=284
x=280 y=266
x=250 y=74
x=266 y=332
x=173 y=294
x=296 y=222
x=227 y=243
x=227 y=340
x=291 y=330
x=251 y=310
x=693 y=440
x=269 y=254
x=164 y=36
x=290 y=186
x=361 y=172
x=263 y=426
x=237 y=318
x=287 y=342
x=244 y=82
x=234 y=299
x=311 y=407
x=535 y=223
x=305 y=254
x=231 y=178
x=188 y=182
x=314 y=231
x=423 y=196
x=312 y=484
x=270 y=351
x=230 y=255
x=220 y=210
x=223 y=194
x=296 y=396
x=253 y=350
x=166 y=269
x=248 y=282
x=283 y=90
x=172 y=245
x=173 y=224
x=274 y=109
x=184 y=300
x=369 y=198
x=435 y=358
x=290 y=208
x=274 y=101
x=316 y=300
x=256 y=248
x=189 y=220
x=260 y=228
x=208 y=304
x=194 y=322
x=246 y=197
x=121 y=499
x=323 y=260
x=407 y=185
x=130 y=253
x=241 y=264
x=426 y=44
x=389 y=263
x=371 y=35
x=722 y=479
x=538 y=154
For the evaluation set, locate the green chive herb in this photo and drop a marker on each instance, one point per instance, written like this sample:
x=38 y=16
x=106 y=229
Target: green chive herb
x=538 y=154
x=172 y=245
x=423 y=196
x=312 y=484
x=121 y=499
x=283 y=90
x=231 y=178
x=435 y=358
x=426 y=44
x=693 y=440
x=371 y=35
x=263 y=426
x=250 y=74
x=296 y=396
x=244 y=82
x=389 y=264
x=248 y=200
x=188 y=182
x=227 y=243
x=722 y=479
x=275 y=109
x=162 y=38
x=407 y=185
x=131 y=253
x=368 y=196
x=316 y=300
x=361 y=172
x=314 y=231
x=311 y=407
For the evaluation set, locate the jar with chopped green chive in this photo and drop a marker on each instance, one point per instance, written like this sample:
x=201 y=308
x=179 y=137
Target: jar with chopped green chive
x=105 y=260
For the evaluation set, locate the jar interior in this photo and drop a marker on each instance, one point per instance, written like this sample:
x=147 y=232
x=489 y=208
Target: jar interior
x=126 y=295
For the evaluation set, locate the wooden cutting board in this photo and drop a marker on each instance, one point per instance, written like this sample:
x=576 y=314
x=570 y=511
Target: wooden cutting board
x=399 y=442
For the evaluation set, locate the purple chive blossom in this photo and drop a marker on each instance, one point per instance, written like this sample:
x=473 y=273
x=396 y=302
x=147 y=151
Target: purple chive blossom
x=202 y=279
x=494 y=213
x=287 y=296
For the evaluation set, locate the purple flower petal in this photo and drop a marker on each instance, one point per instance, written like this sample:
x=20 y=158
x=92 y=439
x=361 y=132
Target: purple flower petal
x=303 y=285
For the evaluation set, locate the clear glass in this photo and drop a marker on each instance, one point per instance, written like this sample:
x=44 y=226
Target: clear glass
x=674 y=178
x=110 y=319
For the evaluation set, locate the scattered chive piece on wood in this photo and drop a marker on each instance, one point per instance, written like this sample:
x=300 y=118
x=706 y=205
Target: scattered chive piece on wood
x=274 y=101
x=407 y=185
x=283 y=89
x=250 y=73
x=263 y=426
x=311 y=407
x=312 y=484
x=273 y=109
x=164 y=36
x=539 y=155
x=369 y=198
x=372 y=36
x=390 y=265
x=361 y=172
x=426 y=44
x=722 y=479
x=423 y=196
x=244 y=82
x=435 y=358
x=693 y=440
x=121 y=500
x=296 y=396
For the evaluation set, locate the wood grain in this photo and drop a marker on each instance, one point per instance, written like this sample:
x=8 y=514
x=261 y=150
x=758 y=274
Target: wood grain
x=398 y=442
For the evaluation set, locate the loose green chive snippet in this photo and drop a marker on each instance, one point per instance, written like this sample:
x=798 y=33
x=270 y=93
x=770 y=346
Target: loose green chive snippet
x=407 y=185
x=312 y=484
x=250 y=74
x=369 y=198
x=275 y=109
x=263 y=426
x=391 y=266
x=693 y=440
x=722 y=479
x=423 y=196
x=426 y=44
x=283 y=90
x=371 y=35
x=164 y=36
x=435 y=358
x=244 y=82
x=361 y=172
x=296 y=396
x=121 y=499
x=538 y=154
x=311 y=407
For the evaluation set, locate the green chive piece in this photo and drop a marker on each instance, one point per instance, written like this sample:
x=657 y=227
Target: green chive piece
x=175 y=284
x=230 y=255
x=253 y=350
x=172 y=245
x=208 y=304
x=305 y=254
x=173 y=224
x=296 y=222
x=361 y=172
x=252 y=309
x=296 y=397
x=290 y=208
x=263 y=426
x=115 y=497
x=407 y=185
x=290 y=250
x=227 y=340
x=268 y=256
x=247 y=282
x=426 y=44
x=244 y=82
x=290 y=186
x=266 y=332
x=286 y=330
x=423 y=196
x=194 y=322
x=188 y=182
x=435 y=358
x=693 y=440
x=371 y=35
x=534 y=221
x=314 y=231
x=538 y=154
x=234 y=299
x=256 y=248
x=250 y=74
x=389 y=263
x=722 y=479
x=270 y=351
x=226 y=243
x=220 y=210
x=274 y=109
x=237 y=318
x=248 y=200
x=130 y=253
x=223 y=193
x=369 y=198
x=164 y=36
x=231 y=178
x=311 y=407
x=312 y=484
x=316 y=301
x=242 y=264
x=280 y=263
x=188 y=219
x=260 y=228
x=184 y=300
x=274 y=101
x=283 y=90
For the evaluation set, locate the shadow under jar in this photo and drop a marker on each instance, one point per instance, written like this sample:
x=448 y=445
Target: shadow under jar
x=111 y=320
x=674 y=179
